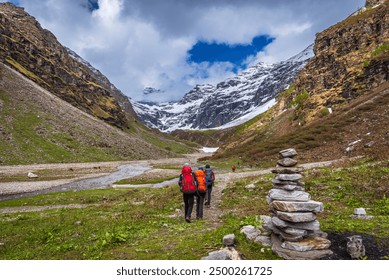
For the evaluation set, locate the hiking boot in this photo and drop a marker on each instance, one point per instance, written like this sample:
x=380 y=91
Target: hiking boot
x=187 y=219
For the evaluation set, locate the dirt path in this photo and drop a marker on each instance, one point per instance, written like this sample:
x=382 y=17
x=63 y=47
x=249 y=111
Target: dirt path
x=212 y=214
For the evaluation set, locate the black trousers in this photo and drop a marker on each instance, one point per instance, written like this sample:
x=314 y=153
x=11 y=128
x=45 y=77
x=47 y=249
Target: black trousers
x=188 y=201
x=208 y=195
x=200 y=197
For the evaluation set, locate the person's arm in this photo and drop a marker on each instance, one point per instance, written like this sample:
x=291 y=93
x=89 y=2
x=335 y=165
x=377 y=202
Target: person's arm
x=213 y=176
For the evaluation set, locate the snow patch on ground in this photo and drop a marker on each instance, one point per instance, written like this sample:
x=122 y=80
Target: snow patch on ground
x=209 y=149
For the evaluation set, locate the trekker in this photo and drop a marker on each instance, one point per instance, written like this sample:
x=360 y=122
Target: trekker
x=201 y=191
x=210 y=178
x=233 y=168
x=188 y=187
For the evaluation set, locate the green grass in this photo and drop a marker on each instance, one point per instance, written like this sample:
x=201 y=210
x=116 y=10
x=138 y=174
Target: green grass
x=145 y=181
x=137 y=223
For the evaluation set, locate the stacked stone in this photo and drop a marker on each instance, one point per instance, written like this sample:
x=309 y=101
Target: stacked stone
x=296 y=232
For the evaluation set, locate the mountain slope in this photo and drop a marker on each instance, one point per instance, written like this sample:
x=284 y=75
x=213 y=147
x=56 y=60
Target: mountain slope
x=37 y=127
x=338 y=105
x=243 y=96
x=36 y=53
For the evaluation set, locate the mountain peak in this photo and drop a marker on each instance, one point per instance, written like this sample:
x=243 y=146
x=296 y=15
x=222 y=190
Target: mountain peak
x=230 y=102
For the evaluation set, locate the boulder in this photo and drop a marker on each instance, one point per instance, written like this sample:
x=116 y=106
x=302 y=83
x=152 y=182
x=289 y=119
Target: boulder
x=296 y=217
x=277 y=194
x=297 y=206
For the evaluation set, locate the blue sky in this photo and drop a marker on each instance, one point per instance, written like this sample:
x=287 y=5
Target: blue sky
x=172 y=45
x=222 y=52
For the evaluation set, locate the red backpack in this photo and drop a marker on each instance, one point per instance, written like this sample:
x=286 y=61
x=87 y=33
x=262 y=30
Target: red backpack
x=202 y=185
x=188 y=184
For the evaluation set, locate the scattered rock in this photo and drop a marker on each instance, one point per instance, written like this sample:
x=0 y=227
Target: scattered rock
x=251 y=232
x=264 y=240
x=229 y=240
x=250 y=186
x=359 y=211
x=78 y=223
x=227 y=253
x=32 y=175
x=355 y=247
x=370 y=144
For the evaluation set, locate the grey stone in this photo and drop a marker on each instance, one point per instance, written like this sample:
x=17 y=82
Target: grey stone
x=286 y=236
x=32 y=175
x=296 y=255
x=229 y=240
x=296 y=217
x=284 y=170
x=355 y=247
x=289 y=177
x=288 y=187
x=276 y=194
x=359 y=211
x=307 y=244
x=295 y=206
x=217 y=255
x=228 y=253
x=295 y=231
x=288 y=153
x=251 y=232
x=314 y=225
x=287 y=162
x=279 y=182
x=264 y=240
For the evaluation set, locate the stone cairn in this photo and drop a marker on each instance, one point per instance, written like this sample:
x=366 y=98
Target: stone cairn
x=295 y=231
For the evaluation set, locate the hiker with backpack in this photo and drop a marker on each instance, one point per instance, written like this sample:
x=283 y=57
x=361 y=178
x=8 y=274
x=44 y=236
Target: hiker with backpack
x=201 y=191
x=188 y=186
x=209 y=178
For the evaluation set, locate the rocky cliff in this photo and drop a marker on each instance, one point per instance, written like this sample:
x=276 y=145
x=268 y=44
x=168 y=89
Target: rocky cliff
x=36 y=53
x=351 y=59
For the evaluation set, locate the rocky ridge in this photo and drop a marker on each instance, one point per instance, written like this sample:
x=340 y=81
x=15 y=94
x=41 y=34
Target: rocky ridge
x=36 y=53
x=351 y=59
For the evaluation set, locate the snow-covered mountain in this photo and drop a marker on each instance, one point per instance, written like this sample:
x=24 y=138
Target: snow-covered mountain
x=229 y=103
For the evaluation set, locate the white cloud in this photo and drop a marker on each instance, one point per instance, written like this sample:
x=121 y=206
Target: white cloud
x=144 y=43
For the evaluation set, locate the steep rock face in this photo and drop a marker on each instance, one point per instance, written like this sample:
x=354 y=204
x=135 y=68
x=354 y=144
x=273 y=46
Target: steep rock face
x=208 y=106
x=351 y=59
x=37 y=54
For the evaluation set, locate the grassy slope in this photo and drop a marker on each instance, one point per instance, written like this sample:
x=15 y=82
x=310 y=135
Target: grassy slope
x=137 y=223
x=40 y=128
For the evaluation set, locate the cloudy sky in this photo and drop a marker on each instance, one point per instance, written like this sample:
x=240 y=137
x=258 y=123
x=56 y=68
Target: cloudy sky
x=172 y=45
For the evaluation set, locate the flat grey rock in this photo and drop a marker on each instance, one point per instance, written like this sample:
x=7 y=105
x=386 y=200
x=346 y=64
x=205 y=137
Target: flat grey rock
x=298 y=206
